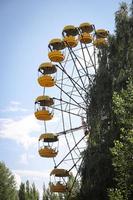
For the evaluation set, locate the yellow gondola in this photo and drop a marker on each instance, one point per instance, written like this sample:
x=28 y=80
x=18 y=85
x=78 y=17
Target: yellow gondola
x=47 y=152
x=60 y=172
x=100 y=43
x=56 y=56
x=85 y=30
x=46 y=81
x=41 y=112
x=70 y=41
x=69 y=32
x=46 y=149
x=86 y=27
x=44 y=101
x=58 y=187
x=85 y=38
x=47 y=68
x=101 y=33
x=48 y=137
x=44 y=115
x=56 y=44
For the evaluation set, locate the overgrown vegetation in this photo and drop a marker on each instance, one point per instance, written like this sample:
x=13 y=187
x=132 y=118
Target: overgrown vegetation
x=7 y=184
x=108 y=165
x=27 y=192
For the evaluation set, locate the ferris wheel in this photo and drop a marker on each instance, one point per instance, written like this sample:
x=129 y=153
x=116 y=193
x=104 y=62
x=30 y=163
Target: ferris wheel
x=65 y=80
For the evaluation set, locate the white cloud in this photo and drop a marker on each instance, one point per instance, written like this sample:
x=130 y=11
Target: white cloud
x=32 y=173
x=14 y=106
x=20 y=130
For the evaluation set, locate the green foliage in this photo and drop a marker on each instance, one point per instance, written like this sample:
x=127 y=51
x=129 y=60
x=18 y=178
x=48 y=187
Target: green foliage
x=34 y=194
x=74 y=187
x=21 y=192
x=115 y=194
x=27 y=192
x=123 y=148
x=123 y=106
x=107 y=168
x=7 y=184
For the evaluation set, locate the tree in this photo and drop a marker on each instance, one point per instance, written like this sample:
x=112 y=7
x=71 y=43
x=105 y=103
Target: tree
x=7 y=184
x=27 y=192
x=73 y=186
x=123 y=148
x=45 y=196
x=123 y=108
x=21 y=192
x=34 y=192
x=107 y=168
x=97 y=171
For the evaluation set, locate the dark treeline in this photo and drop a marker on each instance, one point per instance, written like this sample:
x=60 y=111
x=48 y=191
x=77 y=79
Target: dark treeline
x=107 y=172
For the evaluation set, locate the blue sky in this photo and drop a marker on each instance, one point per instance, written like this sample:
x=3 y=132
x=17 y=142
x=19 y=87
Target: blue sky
x=26 y=28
